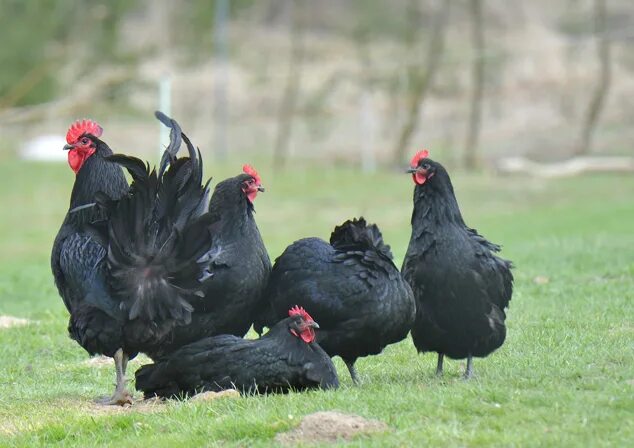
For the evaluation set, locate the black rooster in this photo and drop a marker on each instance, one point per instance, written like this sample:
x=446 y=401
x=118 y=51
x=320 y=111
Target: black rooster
x=237 y=267
x=285 y=358
x=126 y=260
x=351 y=286
x=461 y=287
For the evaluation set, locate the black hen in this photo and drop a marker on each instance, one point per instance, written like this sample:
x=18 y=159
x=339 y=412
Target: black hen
x=461 y=287
x=237 y=267
x=285 y=358
x=351 y=286
x=127 y=267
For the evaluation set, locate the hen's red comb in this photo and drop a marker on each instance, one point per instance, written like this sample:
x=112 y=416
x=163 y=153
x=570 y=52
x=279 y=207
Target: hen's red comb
x=248 y=169
x=417 y=157
x=299 y=311
x=81 y=127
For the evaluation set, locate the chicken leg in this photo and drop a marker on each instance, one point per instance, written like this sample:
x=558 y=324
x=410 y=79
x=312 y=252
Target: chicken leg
x=468 y=373
x=353 y=371
x=121 y=395
x=441 y=357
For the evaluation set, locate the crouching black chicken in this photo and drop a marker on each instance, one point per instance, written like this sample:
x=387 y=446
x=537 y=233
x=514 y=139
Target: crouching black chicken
x=286 y=358
x=461 y=287
x=350 y=285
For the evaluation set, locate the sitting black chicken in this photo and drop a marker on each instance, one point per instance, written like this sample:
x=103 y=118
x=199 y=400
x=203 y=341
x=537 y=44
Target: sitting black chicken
x=351 y=286
x=461 y=287
x=285 y=358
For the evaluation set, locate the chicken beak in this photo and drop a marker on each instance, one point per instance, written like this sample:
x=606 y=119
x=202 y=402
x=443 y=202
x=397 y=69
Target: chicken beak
x=261 y=189
x=312 y=324
x=411 y=170
x=68 y=147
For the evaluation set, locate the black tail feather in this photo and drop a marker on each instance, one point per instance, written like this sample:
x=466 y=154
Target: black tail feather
x=357 y=234
x=156 y=235
x=175 y=140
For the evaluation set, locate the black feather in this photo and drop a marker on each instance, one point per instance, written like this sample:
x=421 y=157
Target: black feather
x=175 y=140
x=277 y=362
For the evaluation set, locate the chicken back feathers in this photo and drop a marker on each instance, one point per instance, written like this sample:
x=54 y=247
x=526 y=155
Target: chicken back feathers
x=351 y=287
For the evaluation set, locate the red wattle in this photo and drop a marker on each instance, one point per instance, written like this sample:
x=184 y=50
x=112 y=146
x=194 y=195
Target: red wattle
x=77 y=157
x=308 y=335
x=419 y=178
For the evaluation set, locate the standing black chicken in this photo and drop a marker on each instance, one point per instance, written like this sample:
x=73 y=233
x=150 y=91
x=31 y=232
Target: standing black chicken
x=285 y=358
x=351 y=286
x=237 y=267
x=128 y=266
x=461 y=287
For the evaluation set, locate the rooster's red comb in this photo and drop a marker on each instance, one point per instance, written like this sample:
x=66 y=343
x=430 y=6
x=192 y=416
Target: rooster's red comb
x=248 y=169
x=417 y=157
x=81 y=127
x=299 y=311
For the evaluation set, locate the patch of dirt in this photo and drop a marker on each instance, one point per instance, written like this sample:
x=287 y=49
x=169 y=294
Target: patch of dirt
x=8 y=429
x=541 y=280
x=99 y=361
x=330 y=426
x=209 y=396
x=139 y=405
x=152 y=404
x=10 y=321
x=103 y=361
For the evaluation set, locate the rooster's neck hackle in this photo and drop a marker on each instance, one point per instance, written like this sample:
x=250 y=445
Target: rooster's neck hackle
x=96 y=175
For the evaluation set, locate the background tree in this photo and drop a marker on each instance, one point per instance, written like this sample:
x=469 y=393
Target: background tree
x=477 y=76
x=293 y=80
x=605 y=77
x=422 y=75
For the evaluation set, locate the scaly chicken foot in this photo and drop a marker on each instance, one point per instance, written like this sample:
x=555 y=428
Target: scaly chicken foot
x=121 y=395
x=468 y=373
x=441 y=357
x=353 y=371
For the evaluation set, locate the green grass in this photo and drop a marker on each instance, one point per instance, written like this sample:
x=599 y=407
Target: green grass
x=565 y=376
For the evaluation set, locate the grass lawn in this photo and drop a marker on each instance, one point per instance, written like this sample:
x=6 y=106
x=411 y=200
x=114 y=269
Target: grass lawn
x=565 y=376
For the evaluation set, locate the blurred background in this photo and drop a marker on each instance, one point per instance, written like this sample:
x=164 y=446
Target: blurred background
x=356 y=82
x=329 y=99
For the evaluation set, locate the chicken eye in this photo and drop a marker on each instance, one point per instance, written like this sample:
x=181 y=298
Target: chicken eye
x=84 y=141
x=426 y=166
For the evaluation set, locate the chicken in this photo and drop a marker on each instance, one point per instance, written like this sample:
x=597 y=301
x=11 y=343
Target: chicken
x=237 y=270
x=351 y=286
x=461 y=287
x=287 y=357
x=126 y=260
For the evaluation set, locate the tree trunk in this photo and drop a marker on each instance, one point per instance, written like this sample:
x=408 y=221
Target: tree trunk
x=421 y=81
x=367 y=121
x=477 y=70
x=605 y=76
x=291 y=91
x=221 y=79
